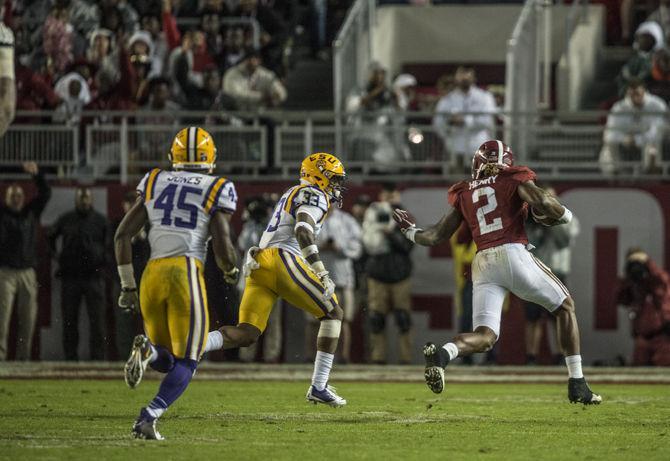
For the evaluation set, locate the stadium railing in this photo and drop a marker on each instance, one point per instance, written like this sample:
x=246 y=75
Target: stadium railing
x=123 y=145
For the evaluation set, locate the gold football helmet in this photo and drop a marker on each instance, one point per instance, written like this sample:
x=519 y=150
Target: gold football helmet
x=326 y=172
x=193 y=148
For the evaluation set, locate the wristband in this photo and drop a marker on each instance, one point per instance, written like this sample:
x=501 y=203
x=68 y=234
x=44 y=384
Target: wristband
x=318 y=267
x=127 y=275
x=567 y=216
x=304 y=224
x=411 y=233
x=309 y=251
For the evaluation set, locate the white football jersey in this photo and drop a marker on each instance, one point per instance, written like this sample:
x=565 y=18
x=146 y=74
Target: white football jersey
x=280 y=232
x=179 y=205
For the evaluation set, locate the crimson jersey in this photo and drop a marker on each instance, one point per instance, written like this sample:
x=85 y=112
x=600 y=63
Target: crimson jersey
x=492 y=207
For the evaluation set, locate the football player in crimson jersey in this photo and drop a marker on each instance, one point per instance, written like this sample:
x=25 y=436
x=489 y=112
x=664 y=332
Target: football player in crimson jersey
x=494 y=204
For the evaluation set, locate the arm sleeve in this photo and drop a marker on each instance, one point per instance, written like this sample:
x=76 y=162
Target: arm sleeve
x=172 y=35
x=454 y=197
x=615 y=130
x=311 y=201
x=227 y=199
x=523 y=174
x=142 y=186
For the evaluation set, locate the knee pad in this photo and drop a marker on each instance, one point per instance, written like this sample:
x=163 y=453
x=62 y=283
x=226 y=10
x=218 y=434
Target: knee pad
x=403 y=320
x=330 y=328
x=165 y=361
x=377 y=322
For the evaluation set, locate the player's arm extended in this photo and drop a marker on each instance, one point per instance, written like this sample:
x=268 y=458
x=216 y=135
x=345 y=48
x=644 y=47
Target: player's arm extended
x=224 y=249
x=433 y=235
x=130 y=225
x=544 y=202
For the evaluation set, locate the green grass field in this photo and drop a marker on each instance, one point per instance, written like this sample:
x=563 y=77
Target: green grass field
x=245 y=420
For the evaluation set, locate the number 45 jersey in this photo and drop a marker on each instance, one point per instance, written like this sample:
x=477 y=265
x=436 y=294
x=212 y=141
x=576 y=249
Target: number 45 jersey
x=179 y=206
x=492 y=207
x=280 y=232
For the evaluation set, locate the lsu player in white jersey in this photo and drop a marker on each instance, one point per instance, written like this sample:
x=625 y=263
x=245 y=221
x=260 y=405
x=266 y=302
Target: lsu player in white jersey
x=184 y=207
x=287 y=265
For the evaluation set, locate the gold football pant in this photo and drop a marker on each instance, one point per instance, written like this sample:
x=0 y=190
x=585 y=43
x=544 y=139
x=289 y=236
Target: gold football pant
x=287 y=276
x=173 y=301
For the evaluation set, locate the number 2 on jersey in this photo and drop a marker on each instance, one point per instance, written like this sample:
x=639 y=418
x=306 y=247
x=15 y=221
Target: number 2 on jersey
x=491 y=205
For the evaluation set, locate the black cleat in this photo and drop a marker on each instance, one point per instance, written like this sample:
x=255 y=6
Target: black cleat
x=436 y=360
x=579 y=392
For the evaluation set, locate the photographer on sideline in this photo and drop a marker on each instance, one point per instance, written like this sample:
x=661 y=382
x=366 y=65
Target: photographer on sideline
x=645 y=291
x=389 y=268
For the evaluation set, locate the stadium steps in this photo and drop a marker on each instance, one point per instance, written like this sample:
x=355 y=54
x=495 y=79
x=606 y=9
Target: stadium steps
x=603 y=89
x=310 y=85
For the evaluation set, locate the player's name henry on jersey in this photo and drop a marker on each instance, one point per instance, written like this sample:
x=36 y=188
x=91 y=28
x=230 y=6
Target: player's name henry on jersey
x=193 y=180
x=482 y=182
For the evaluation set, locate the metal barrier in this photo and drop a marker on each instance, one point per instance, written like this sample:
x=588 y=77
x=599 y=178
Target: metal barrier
x=54 y=145
x=352 y=54
x=132 y=148
x=403 y=145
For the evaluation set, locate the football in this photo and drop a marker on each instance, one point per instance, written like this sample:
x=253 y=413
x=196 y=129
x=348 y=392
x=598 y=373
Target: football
x=542 y=218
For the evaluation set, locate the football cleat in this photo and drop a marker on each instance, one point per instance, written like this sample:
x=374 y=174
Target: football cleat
x=327 y=396
x=138 y=361
x=579 y=392
x=436 y=361
x=146 y=429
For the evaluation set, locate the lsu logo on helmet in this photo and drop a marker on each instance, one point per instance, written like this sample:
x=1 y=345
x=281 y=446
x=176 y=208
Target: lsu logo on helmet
x=193 y=148
x=326 y=172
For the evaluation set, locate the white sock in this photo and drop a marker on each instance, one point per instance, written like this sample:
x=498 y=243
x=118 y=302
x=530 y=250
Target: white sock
x=574 y=363
x=322 y=365
x=452 y=350
x=154 y=354
x=214 y=341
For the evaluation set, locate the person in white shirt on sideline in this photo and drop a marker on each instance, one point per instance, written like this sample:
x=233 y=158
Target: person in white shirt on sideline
x=464 y=118
x=634 y=127
x=340 y=244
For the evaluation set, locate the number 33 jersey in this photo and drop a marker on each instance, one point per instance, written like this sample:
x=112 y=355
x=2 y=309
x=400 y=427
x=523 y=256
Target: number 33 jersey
x=492 y=207
x=280 y=232
x=179 y=206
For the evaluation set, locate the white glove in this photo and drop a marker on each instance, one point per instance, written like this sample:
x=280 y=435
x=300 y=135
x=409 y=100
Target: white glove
x=328 y=285
x=250 y=263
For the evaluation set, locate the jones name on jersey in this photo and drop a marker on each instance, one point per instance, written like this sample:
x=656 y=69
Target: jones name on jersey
x=179 y=206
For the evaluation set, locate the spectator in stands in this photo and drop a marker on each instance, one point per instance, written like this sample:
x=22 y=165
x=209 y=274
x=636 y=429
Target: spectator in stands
x=188 y=62
x=553 y=246
x=18 y=259
x=464 y=118
x=340 y=245
x=648 y=38
x=58 y=39
x=163 y=39
x=74 y=93
x=645 y=291
x=33 y=92
x=141 y=44
x=662 y=16
x=235 y=43
x=129 y=20
x=100 y=52
x=127 y=320
x=211 y=27
x=252 y=86
x=116 y=94
x=256 y=216
x=389 y=269
x=85 y=238
x=274 y=32
x=404 y=91
x=635 y=126
x=372 y=111
x=152 y=144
